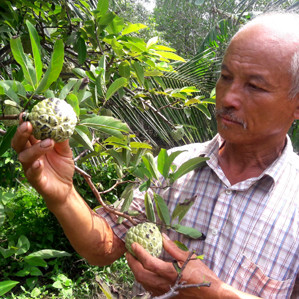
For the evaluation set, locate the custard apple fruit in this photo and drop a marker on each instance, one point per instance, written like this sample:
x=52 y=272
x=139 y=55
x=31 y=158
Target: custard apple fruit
x=147 y=235
x=11 y=110
x=52 y=118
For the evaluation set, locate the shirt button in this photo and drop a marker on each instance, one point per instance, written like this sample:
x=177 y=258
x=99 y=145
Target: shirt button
x=214 y=232
x=228 y=191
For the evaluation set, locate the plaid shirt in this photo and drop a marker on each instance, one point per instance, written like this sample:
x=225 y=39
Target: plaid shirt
x=251 y=227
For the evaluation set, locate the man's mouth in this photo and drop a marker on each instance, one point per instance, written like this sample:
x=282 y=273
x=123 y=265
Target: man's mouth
x=227 y=118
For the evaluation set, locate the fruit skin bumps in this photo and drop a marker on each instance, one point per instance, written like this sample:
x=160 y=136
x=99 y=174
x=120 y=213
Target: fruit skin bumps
x=52 y=118
x=146 y=234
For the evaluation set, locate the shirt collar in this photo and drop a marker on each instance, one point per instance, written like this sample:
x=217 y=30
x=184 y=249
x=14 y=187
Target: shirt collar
x=274 y=170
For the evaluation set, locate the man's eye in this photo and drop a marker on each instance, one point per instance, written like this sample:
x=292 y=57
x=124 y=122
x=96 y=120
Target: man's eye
x=255 y=87
x=224 y=77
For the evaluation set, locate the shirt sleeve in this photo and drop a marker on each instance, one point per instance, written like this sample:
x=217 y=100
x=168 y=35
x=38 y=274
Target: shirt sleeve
x=121 y=229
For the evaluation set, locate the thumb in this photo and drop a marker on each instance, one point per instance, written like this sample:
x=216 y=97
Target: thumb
x=171 y=248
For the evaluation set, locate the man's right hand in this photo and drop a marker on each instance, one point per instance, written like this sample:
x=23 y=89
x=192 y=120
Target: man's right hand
x=48 y=166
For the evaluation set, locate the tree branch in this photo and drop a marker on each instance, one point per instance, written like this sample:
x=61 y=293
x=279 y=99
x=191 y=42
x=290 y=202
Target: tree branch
x=109 y=209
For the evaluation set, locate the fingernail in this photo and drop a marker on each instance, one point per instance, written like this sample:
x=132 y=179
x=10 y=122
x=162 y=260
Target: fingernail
x=46 y=143
x=165 y=236
x=133 y=246
x=24 y=127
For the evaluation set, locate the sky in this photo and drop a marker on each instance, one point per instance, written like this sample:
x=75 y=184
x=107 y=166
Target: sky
x=148 y=5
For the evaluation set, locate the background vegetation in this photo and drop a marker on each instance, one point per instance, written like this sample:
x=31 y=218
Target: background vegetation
x=166 y=99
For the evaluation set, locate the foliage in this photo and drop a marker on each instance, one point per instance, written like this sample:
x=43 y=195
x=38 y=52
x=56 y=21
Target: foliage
x=198 y=24
x=30 y=270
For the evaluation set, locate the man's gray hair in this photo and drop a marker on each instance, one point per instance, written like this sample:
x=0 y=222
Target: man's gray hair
x=294 y=90
x=288 y=21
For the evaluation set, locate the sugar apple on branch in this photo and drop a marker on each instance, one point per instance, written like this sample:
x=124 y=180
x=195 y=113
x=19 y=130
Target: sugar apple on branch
x=52 y=118
x=147 y=235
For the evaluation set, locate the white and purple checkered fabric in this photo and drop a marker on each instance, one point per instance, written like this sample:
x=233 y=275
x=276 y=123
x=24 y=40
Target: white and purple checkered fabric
x=251 y=228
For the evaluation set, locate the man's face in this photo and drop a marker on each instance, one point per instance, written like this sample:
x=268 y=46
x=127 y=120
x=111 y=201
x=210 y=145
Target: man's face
x=252 y=100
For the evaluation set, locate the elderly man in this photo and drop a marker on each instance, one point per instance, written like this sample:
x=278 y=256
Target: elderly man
x=247 y=195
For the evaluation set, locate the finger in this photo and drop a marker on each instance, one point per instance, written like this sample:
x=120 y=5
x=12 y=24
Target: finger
x=34 y=173
x=154 y=264
x=20 y=141
x=173 y=250
x=152 y=282
x=34 y=152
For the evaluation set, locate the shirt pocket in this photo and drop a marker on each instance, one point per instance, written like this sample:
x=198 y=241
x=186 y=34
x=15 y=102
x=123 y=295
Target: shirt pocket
x=251 y=279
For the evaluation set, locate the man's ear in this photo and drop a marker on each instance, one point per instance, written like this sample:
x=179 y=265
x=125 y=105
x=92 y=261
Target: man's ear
x=296 y=112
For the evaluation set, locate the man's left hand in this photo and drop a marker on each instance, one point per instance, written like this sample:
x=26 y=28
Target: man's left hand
x=157 y=276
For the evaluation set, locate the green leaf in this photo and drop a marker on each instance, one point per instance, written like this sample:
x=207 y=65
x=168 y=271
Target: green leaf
x=139 y=72
x=6 y=286
x=203 y=108
x=176 y=266
x=149 y=208
x=36 y=50
x=182 y=208
x=7 y=252
x=48 y=253
x=188 y=231
x=82 y=138
x=103 y=6
x=6 y=141
x=124 y=69
x=127 y=196
x=54 y=68
x=8 y=91
x=34 y=271
x=106 y=124
x=144 y=145
x=23 y=245
x=152 y=42
x=162 y=162
x=162 y=209
x=150 y=164
x=35 y=261
x=116 y=26
x=133 y=28
x=82 y=51
x=107 y=18
x=188 y=166
x=23 y=61
x=117 y=157
x=115 y=86
x=23 y=272
x=181 y=245
x=170 y=55
x=67 y=88
x=74 y=102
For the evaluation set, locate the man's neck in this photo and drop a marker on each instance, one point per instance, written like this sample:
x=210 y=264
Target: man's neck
x=240 y=162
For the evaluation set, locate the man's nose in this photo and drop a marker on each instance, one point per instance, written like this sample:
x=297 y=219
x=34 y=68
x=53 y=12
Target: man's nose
x=230 y=95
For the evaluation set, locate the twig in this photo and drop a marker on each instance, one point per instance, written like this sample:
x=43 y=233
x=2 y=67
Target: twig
x=109 y=209
x=115 y=185
x=156 y=111
x=9 y=117
x=81 y=155
x=174 y=290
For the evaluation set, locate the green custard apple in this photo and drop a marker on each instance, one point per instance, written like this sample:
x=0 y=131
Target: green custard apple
x=11 y=110
x=52 y=118
x=146 y=234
